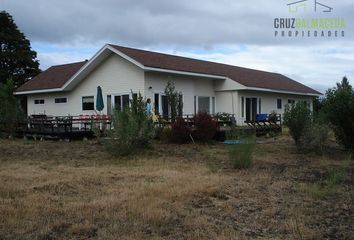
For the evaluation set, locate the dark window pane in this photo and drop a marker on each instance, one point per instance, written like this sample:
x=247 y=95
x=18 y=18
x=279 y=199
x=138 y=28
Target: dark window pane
x=279 y=103
x=204 y=104
x=88 y=103
x=60 y=100
x=39 y=101
x=125 y=100
x=156 y=103
x=118 y=103
x=109 y=104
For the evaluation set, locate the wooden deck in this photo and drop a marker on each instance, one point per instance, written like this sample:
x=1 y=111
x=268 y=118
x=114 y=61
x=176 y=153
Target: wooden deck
x=79 y=127
x=265 y=123
x=68 y=127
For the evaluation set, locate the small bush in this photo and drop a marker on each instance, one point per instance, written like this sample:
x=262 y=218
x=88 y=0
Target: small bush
x=205 y=127
x=132 y=129
x=166 y=135
x=297 y=117
x=316 y=138
x=241 y=155
x=180 y=131
x=225 y=117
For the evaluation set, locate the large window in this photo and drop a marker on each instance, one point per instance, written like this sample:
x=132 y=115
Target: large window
x=61 y=100
x=121 y=101
x=279 y=103
x=242 y=107
x=88 y=103
x=204 y=104
x=39 y=101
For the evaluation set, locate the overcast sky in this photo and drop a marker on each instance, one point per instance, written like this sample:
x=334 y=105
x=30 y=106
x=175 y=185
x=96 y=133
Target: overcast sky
x=234 y=32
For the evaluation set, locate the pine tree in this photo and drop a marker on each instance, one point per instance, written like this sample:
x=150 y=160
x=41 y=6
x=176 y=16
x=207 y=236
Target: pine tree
x=17 y=59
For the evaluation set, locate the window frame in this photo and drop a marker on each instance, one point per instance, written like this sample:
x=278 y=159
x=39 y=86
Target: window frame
x=82 y=103
x=279 y=103
x=66 y=100
x=39 y=101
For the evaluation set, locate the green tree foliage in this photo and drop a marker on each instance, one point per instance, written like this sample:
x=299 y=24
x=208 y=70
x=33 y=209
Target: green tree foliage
x=17 y=60
x=132 y=129
x=174 y=99
x=297 y=117
x=10 y=112
x=339 y=109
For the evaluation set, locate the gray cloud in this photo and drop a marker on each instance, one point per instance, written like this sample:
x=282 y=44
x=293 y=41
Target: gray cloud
x=156 y=22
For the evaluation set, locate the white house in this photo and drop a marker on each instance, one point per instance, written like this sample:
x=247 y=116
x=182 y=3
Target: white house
x=70 y=89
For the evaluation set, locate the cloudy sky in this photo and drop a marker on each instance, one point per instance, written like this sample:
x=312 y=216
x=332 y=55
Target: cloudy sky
x=234 y=32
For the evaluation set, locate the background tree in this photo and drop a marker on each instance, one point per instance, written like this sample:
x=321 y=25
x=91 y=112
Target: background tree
x=10 y=112
x=17 y=59
x=339 y=110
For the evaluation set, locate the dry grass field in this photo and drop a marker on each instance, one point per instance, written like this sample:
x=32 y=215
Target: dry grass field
x=60 y=190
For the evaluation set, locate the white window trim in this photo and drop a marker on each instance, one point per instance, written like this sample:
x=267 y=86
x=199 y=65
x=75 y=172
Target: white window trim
x=39 y=99
x=67 y=100
x=94 y=100
x=210 y=103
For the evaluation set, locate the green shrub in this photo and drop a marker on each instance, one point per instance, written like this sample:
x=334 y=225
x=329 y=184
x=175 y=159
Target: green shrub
x=204 y=127
x=339 y=109
x=132 y=129
x=316 y=138
x=180 y=131
x=225 y=117
x=241 y=155
x=166 y=135
x=10 y=111
x=297 y=117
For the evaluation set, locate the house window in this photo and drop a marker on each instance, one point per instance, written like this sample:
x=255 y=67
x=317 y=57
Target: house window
x=121 y=101
x=291 y=101
x=39 y=101
x=279 y=103
x=109 y=104
x=242 y=107
x=88 y=103
x=213 y=105
x=61 y=100
x=260 y=105
x=204 y=104
x=125 y=100
x=157 y=103
x=180 y=105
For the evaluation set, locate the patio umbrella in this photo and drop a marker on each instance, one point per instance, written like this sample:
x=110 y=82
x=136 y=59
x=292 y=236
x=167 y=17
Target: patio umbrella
x=99 y=99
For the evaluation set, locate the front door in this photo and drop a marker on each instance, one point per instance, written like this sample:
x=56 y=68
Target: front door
x=251 y=109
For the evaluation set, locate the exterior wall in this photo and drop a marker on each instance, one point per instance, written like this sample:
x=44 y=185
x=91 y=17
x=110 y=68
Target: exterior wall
x=227 y=101
x=227 y=85
x=115 y=76
x=189 y=86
